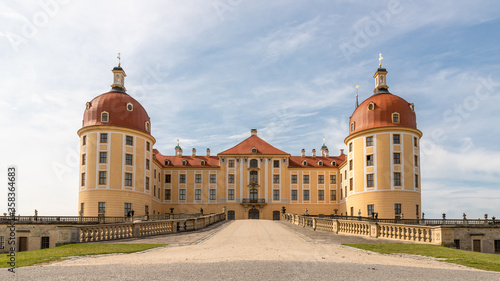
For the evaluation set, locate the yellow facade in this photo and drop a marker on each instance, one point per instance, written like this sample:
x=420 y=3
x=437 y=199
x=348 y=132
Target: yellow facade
x=367 y=179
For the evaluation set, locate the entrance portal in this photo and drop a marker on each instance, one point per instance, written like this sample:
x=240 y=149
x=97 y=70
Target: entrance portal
x=23 y=244
x=253 y=214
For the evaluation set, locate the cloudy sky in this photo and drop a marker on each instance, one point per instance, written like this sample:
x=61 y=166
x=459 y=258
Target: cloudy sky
x=207 y=71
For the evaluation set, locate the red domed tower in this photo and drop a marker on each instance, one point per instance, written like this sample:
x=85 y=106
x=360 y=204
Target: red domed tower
x=116 y=146
x=382 y=171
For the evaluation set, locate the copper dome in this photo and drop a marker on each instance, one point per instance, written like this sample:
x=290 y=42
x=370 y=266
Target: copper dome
x=123 y=111
x=377 y=111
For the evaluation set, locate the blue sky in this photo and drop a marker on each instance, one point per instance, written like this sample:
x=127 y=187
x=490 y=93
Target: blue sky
x=209 y=71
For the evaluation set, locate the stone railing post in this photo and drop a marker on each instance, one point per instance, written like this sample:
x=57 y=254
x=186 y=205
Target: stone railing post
x=374 y=230
x=335 y=226
x=314 y=224
x=136 y=228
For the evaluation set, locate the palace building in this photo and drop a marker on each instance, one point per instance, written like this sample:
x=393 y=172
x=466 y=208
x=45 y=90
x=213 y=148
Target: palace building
x=121 y=170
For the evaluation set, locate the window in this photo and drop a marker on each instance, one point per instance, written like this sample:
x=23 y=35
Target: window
x=168 y=194
x=352 y=211
x=276 y=178
x=147 y=183
x=84 y=141
x=254 y=150
x=129 y=140
x=230 y=163
x=102 y=177
x=101 y=207
x=395 y=118
x=415 y=160
x=304 y=163
x=104 y=117
x=371 y=106
x=103 y=157
x=148 y=146
x=341 y=194
x=231 y=194
x=197 y=178
x=146 y=125
x=415 y=142
x=294 y=194
x=397 y=158
x=84 y=159
x=457 y=243
x=397 y=209
x=154 y=174
x=333 y=179
x=253 y=163
x=147 y=164
x=333 y=195
x=182 y=194
x=128 y=179
x=321 y=179
x=45 y=242
x=397 y=178
x=497 y=246
x=130 y=107
x=417 y=209
x=306 y=178
x=276 y=194
x=202 y=162
x=352 y=126
x=128 y=159
x=184 y=162
x=370 y=209
x=197 y=194
x=321 y=195
x=182 y=178
x=254 y=176
x=276 y=163
x=2 y=242
x=83 y=179
x=212 y=194
x=294 y=178
x=213 y=179
x=396 y=139
x=104 y=138
x=416 y=181
x=127 y=207
x=350 y=147
x=168 y=178
x=350 y=165
x=369 y=141
x=369 y=160
x=82 y=208
x=230 y=178
x=306 y=195
x=230 y=215
x=351 y=183
x=369 y=180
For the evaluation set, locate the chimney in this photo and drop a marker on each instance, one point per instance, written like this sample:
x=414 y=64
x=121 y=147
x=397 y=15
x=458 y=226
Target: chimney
x=327 y=153
x=253 y=132
x=208 y=152
x=314 y=152
x=303 y=152
x=194 y=152
x=341 y=151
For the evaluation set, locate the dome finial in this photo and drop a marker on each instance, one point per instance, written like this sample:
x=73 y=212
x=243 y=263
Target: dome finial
x=119 y=60
x=380 y=58
x=357 y=103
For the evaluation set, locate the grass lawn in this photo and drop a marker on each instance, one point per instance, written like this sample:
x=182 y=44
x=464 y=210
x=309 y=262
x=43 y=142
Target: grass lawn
x=467 y=258
x=62 y=252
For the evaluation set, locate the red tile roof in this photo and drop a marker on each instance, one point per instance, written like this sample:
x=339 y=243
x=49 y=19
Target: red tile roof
x=313 y=162
x=191 y=162
x=245 y=147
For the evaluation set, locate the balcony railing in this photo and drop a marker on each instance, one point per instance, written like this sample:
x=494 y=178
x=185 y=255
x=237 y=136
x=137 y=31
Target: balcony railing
x=250 y=200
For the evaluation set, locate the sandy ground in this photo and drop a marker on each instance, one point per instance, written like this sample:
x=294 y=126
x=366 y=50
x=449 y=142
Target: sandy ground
x=259 y=240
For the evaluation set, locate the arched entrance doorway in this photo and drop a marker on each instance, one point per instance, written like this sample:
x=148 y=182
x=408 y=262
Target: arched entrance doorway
x=253 y=214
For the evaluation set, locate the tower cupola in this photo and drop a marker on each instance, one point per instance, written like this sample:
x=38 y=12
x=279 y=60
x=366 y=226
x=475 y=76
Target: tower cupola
x=118 y=77
x=380 y=78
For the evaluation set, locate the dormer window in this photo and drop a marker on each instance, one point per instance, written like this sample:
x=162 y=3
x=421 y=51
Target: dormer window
x=184 y=162
x=412 y=107
x=254 y=150
x=320 y=163
x=304 y=163
x=104 y=116
x=395 y=118
x=352 y=127
x=334 y=163
x=202 y=162
x=147 y=126
x=167 y=162
x=88 y=105
x=130 y=106
x=371 y=106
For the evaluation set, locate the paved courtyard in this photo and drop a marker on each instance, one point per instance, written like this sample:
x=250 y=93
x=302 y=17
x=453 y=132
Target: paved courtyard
x=251 y=250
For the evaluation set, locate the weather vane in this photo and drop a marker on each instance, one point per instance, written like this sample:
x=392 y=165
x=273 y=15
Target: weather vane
x=119 y=59
x=380 y=58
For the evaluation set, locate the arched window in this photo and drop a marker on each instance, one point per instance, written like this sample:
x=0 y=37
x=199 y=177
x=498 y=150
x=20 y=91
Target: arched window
x=352 y=127
x=88 y=105
x=167 y=162
x=254 y=150
x=104 y=116
x=304 y=163
x=395 y=118
x=203 y=162
x=320 y=163
x=184 y=162
x=147 y=126
x=334 y=163
x=253 y=163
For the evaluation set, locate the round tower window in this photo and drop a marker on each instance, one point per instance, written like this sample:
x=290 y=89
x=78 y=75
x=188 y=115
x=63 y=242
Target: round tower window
x=371 y=106
x=130 y=107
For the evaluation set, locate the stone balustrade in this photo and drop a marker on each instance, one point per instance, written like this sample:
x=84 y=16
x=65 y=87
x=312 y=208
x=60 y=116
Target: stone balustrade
x=94 y=233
